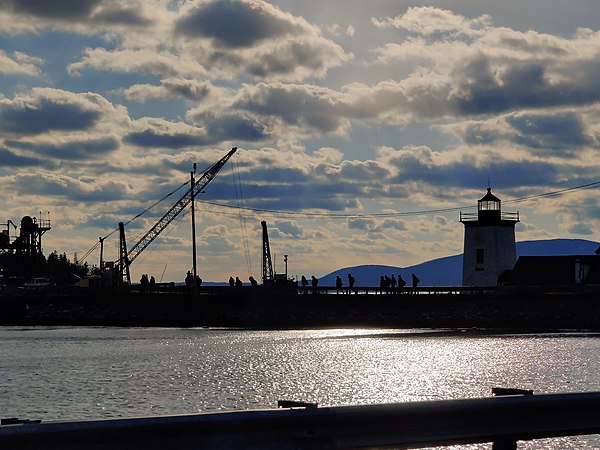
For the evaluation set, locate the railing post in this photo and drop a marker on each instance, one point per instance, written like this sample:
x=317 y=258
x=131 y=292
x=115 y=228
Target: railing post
x=507 y=444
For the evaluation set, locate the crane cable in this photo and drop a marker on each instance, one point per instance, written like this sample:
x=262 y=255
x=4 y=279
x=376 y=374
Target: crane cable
x=158 y=241
x=95 y=246
x=237 y=183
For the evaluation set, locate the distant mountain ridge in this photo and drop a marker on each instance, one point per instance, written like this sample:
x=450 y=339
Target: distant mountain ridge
x=447 y=271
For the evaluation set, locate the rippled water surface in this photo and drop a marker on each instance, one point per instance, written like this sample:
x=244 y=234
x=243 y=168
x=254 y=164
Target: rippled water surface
x=82 y=373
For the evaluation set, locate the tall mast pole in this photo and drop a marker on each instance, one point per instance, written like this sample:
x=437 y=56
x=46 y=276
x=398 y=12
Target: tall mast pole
x=195 y=283
x=101 y=253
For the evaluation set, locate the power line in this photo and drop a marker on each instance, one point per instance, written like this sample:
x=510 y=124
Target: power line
x=278 y=212
x=325 y=215
x=554 y=193
x=395 y=214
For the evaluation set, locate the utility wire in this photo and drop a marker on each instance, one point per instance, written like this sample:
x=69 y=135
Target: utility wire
x=277 y=212
x=283 y=213
x=554 y=193
x=397 y=214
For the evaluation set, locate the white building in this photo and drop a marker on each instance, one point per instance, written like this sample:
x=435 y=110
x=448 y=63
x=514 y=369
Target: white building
x=489 y=248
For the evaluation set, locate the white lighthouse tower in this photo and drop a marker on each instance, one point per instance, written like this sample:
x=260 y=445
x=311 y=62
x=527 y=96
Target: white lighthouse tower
x=489 y=248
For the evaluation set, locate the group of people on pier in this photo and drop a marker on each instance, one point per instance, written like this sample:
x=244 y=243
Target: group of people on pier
x=314 y=281
x=147 y=283
x=389 y=285
x=189 y=280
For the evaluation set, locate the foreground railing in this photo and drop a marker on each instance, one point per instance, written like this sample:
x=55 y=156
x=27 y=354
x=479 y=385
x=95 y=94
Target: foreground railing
x=502 y=420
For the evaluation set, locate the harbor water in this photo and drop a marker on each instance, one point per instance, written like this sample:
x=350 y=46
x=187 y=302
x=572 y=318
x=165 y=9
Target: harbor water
x=64 y=373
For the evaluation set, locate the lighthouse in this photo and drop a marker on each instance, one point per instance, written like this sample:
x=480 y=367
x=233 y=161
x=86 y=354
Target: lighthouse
x=489 y=247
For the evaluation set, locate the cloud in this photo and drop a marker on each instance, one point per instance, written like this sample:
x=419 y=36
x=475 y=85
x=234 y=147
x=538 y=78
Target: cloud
x=150 y=132
x=69 y=148
x=11 y=159
x=307 y=108
x=361 y=224
x=19 y=63
x=149 y=61
x=257 y=38
x=549 y=131
x=58 y=185
x=83 y=16
x=464 y=170
x=436 y=23
x=236 y=24
x=235 y=127
x=171 y=88
x=214 y=241
x=55 y=9
x=46 y=109
x=372 y=225
x=289 y=228
x=558 y=133
x=64 y=128
x=363 y=170
x=294 y=60
x=496 y=70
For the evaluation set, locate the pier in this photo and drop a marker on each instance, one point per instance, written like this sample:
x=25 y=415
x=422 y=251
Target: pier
x=521 y=309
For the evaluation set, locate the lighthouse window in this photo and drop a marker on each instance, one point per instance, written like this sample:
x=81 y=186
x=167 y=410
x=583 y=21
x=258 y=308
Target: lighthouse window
x=489 y=206
x=479 y=256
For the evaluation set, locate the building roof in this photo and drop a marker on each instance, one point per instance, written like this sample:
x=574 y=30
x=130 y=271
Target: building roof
x=489 y=197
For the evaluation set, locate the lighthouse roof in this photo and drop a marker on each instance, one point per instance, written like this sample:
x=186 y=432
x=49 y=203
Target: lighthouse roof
x=489 y=197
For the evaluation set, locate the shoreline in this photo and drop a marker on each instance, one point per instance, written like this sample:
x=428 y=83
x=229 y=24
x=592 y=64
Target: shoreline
x=284 y=309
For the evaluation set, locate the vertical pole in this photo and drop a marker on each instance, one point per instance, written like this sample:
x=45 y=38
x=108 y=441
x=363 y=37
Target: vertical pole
x=101 y=239
x=101 y=253
x=285 y=260
x=125 y=275
x=195 y=283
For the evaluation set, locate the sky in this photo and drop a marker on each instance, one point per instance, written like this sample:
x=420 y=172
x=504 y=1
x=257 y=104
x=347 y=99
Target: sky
x=363 y=128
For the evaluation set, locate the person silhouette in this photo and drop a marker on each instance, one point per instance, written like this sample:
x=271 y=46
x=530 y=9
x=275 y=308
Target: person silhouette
x=351 y=281
x=314 y=281
x=304 y=283
x=415 y=281
x=401 y=283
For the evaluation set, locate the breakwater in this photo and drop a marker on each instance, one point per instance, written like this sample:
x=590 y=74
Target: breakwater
x=289 y=309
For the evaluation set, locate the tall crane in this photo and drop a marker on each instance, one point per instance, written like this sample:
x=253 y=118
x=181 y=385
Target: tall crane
x=269 y=277
x=267 y=263
x=127 y=257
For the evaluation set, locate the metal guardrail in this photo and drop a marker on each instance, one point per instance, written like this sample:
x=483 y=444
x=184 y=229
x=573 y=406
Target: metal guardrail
x=501 y=420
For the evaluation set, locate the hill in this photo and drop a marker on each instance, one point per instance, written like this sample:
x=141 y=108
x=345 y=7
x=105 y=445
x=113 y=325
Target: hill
x=447 y=271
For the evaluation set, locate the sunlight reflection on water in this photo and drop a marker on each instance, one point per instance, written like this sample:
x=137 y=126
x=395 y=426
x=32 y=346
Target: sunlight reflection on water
x=79 y=373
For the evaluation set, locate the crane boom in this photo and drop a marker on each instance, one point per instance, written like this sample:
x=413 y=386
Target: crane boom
x=176 y=209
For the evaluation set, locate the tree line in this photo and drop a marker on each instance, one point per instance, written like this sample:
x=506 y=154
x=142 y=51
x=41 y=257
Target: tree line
x=16 y=268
